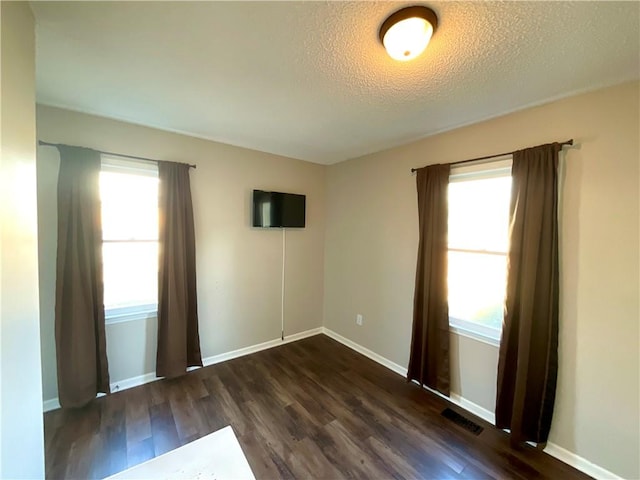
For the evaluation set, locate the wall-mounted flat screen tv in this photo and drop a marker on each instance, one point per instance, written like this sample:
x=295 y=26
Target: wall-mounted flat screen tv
x=278 y=210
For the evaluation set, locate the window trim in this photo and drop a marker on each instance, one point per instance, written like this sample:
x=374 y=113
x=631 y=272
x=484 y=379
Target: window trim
x=117 y=164
x=493 y=168
x=483 y=252
x=128 y=314
x=475 y=331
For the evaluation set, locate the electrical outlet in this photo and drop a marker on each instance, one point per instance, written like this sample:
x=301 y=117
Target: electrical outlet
x=359 y=319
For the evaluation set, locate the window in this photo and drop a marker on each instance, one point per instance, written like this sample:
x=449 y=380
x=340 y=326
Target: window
x=129 y=197
x=479 y=198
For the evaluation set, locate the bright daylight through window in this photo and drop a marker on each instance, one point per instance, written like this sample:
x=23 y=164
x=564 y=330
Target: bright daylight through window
x=129 y=196
x=479 y=198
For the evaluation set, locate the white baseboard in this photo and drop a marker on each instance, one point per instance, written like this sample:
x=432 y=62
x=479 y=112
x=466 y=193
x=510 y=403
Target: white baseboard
x=477 y=410
x=127 y=383
x=133 y=382
x=241 y=352
x=570 y=458
x=400 y=370
x=294 y=337
x=580 y=463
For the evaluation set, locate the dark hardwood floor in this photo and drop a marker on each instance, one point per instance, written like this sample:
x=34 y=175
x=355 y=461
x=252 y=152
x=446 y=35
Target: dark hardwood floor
x=309 y=409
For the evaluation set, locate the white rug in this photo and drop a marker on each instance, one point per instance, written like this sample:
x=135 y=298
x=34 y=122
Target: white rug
x=215 y=456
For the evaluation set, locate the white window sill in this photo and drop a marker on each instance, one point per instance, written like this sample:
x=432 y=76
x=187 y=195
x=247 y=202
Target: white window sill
x=475 y=332
x=129 y=315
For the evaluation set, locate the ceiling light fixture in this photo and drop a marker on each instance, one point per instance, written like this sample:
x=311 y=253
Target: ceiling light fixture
x=406 y=33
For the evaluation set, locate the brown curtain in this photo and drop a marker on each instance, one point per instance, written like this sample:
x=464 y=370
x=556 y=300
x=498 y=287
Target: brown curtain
x=429 y=355
x=79 y=312
x=178 y=339
x=528 y=361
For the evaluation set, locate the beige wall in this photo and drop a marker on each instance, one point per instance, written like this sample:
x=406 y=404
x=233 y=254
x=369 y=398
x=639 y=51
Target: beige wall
x=21 y=432
x=238 y=267
x=371 y=244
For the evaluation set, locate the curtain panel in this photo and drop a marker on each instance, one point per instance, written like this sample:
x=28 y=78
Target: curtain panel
x=178 y=337
x=429 y=353
x=528 y=358
x=79 y=311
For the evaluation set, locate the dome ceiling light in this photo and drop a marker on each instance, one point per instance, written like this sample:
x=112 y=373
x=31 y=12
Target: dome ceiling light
x=406 y=33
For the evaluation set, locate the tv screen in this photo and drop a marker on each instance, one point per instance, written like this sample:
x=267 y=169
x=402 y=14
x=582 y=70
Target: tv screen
x=278 y=210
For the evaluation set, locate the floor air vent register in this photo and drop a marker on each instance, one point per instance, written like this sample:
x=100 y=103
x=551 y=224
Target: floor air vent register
x=464 y=422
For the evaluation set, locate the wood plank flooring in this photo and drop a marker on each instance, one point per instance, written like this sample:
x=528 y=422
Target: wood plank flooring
x=309 y=409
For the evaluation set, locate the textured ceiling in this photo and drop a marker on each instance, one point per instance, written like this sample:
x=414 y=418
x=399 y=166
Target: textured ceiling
x=310 y=80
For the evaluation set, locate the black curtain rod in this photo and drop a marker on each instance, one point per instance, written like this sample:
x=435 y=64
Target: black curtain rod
x=568 y=142
x=40 y=142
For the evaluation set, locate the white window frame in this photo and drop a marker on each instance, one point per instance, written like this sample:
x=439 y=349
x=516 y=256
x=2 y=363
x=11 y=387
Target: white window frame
x=127 y=314
x=117 y=164
x=492 y=168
